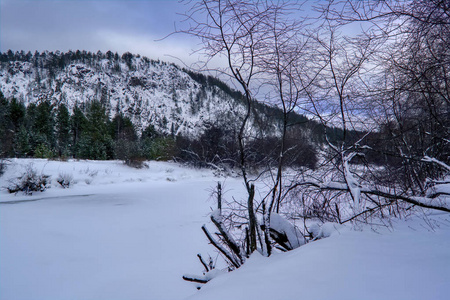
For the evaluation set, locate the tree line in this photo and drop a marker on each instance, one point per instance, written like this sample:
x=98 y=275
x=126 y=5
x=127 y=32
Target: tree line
x=44 y=130
x=47 y=130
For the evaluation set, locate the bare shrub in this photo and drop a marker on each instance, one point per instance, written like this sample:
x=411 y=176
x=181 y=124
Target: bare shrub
x=65 y=180
x=29 y=182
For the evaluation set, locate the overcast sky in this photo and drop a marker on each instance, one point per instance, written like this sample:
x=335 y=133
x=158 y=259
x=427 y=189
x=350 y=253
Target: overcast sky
x=92 y=25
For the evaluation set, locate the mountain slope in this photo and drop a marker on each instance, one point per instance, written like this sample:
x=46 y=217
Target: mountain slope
x=173 y=100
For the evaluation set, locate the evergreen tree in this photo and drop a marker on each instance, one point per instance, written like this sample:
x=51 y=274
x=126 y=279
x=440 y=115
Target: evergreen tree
x=6 y=132
x=17 y=117
x=62 y=130
x=122 y=128
x=128 y=58
x=44 y=125
x=78 y=123
x=148 y=137
x=10 y=55
x=31 y=130
x=125 y=138
x=149 y=133
x=96 y=141
x=155 y=146
x=22 y=143
x=17 y=114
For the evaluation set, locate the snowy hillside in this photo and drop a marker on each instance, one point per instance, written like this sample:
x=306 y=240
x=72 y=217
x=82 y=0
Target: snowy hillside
x=122 y=233
x=146 y=91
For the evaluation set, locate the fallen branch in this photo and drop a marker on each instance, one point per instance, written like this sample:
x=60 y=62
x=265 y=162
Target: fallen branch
x=192 y=278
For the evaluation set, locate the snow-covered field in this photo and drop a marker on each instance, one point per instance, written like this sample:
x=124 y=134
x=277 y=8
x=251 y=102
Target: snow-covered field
x=123 y=233
x=128 y=234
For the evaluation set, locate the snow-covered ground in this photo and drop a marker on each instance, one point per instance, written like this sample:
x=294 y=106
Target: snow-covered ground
x=128 y=234
x=123 y=233
x=410 y=263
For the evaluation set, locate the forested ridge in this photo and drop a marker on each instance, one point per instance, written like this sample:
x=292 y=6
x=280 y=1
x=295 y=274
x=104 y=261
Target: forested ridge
x=67 y=105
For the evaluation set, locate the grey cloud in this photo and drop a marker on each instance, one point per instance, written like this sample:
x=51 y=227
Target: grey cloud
x=92 y=25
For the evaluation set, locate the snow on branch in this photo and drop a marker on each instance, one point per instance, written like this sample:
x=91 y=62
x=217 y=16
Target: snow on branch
x=219 y=247
x=352 y=183
x=436 y=161
x=216 y=218
x=205 y=278
x=284 y=233
x=426 y=202
x=195 y=278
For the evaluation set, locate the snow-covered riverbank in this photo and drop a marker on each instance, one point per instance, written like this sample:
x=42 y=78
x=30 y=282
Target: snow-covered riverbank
x=123 y=233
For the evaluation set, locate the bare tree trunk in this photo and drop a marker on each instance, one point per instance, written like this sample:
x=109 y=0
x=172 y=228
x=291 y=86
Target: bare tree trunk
x=251 y=219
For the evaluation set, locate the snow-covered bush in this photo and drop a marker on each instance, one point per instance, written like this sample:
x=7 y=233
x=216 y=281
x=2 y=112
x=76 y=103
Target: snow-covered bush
x=65 y=180
x=29 y=182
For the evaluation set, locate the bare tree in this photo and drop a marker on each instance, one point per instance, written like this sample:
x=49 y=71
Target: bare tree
x=360 y=83
x=402 y=48
x=266 y=53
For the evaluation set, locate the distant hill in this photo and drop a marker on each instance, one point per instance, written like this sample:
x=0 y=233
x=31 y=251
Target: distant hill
x=200 y=115
x=173 y=100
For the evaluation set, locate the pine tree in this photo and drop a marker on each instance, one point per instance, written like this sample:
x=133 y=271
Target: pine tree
x=44 y=125
x=30 y=126
x=125 y=138
x=17 y=114
x=62 y=130
x=6 y=132
x=148 y=137
x=78 y=123
x=96 y=142
x=22 y=143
